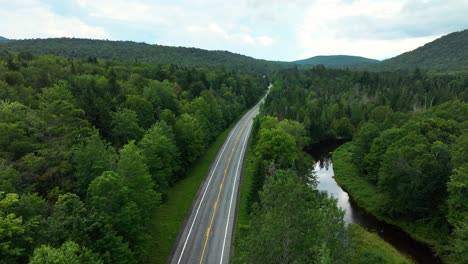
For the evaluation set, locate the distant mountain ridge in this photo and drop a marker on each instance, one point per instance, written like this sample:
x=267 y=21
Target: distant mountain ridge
x=335 y=61
x=447 y=53
x=142 y=52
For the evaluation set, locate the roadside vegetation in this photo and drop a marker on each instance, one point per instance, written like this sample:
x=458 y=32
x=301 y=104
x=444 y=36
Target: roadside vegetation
x=91 y=151
x=283 y=218
x=169 y=216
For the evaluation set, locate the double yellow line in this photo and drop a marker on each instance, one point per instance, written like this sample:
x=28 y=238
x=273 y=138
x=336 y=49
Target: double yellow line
x=215 y=207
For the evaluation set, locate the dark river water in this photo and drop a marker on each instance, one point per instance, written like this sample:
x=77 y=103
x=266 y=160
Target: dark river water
x=323 y=169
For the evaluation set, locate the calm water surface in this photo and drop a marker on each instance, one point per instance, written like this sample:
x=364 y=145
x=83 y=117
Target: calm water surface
x=323 y=170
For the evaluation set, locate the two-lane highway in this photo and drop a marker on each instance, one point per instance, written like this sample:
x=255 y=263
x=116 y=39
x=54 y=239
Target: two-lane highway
x=207 y=234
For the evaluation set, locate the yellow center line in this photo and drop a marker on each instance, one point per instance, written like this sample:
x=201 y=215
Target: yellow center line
x=215 y=206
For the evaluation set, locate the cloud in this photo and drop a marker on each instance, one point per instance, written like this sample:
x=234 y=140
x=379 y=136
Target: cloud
x=377 y=29
x=33 y=19
x=264 y=40
x=214 y=31
x=270 y=29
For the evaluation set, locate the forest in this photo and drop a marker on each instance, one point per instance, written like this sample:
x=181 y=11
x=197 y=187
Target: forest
x=409 y=134
x=289 y=220
x=141 y=52
x=89 y=148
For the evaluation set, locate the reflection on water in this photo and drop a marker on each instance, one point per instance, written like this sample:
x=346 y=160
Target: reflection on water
x=324 y=174
x=323 y=169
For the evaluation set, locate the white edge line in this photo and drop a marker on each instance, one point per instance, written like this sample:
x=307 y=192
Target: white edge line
x=232 y=194
x=204 y=193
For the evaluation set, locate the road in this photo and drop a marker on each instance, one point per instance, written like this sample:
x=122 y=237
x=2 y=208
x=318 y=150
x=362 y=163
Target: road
x=208 y=230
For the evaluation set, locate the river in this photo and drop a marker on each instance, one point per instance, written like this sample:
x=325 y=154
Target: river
x=323 y=169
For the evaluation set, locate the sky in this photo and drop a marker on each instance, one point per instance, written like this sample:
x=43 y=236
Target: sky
x=267 y=29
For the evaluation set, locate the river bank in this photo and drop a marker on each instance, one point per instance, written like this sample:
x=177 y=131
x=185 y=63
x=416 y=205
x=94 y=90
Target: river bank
x=366 y=197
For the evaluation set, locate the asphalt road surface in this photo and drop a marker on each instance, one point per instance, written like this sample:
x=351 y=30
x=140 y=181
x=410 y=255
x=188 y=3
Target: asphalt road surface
x=208 y=230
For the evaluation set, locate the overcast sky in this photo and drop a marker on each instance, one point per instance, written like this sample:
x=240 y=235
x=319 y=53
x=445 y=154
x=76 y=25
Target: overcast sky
x=267 y=29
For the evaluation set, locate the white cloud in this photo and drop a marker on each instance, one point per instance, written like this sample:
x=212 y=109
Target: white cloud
x=265 y=40
x=36 y=20
x=376 y=29
x=271 y=29
x=246 y=38
x=214 y=31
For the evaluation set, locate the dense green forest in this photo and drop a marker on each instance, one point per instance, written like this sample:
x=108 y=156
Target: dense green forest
x=283 y=218
x=290 y=221
x=88 y=149
x=409 y=134
x=335 y=61
x=94 y=136
x=142 y=52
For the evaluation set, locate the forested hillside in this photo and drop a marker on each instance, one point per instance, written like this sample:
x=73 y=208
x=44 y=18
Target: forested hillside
x=335 y=61
x=2 y=39
x=88 y=149
x=141 y=52
x=410 y=146
x=448 y=53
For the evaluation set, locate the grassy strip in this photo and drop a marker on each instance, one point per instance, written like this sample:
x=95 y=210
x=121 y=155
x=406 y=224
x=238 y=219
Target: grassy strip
x=169 y=216
x=370 y=248
x=246 y=185
x=368 y=198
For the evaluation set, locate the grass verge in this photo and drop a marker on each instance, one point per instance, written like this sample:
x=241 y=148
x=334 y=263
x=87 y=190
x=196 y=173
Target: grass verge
x=246 y=185
x=370 y=248
x=367 y=197
x=170 y=215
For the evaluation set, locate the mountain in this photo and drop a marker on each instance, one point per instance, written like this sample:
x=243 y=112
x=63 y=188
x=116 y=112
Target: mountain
x=335 y=61
x=142 y=52
x=2 y=39
x=448 y=53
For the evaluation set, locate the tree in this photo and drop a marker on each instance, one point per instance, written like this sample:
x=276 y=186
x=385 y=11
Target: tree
x=159 y=148
x=379 y=146
x=379 y=113
x=162 y=95
x=362 y=142
x=458 y=243
x=125 y=126
x=68 y=253
x=68 y=220
x=142 y=107
x=91 y=158
x=12 y=228
x=132 y=167
x=8 y=177
x=343 y=127
x=293 y=224
x=60 y=126
x=169 y=117
x=458 y=196
x=278 y=146
x=18 y=124
x=190 y=138
x=109 y=195
x=208 y=113
x=460 y=150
